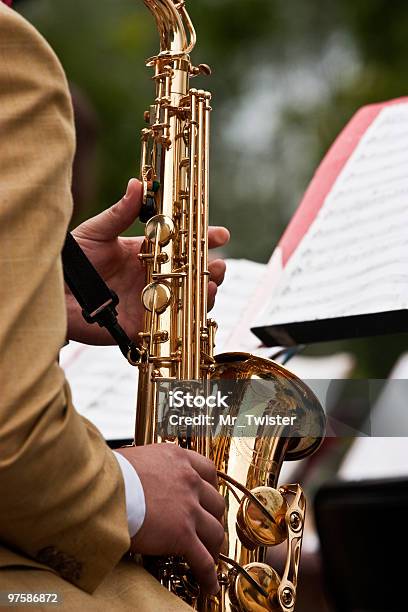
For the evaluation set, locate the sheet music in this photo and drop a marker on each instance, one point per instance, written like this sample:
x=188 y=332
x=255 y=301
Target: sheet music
x=354 y=257
x=240 y=337
x=103 y=387
x=242 y=281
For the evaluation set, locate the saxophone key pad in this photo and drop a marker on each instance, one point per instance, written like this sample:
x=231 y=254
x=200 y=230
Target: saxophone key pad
x=263 y=528
x=156 y=297
x=160 y=228
x=264 y=597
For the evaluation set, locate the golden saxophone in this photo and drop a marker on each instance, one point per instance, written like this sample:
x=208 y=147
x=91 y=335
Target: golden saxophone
x=177 y=344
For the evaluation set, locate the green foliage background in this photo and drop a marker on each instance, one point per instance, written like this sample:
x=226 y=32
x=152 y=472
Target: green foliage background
x=287 y=76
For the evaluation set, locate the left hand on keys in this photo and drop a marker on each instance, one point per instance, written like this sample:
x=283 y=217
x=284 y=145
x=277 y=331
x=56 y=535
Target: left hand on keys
x=116 y=259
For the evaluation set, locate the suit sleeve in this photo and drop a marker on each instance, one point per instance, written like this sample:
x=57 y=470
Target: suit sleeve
x=63 y=500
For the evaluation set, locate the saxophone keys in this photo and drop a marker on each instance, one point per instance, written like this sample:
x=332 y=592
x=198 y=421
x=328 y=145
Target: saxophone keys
x=287 y=597
x=262 y=523
x=256 y=588
x=203 y=69
x=159 y=228
x=156 y=297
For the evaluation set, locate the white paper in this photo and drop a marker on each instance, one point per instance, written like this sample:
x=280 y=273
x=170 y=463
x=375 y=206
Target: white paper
x=354 y=257
x=254 y=293
x=103 y=387
x=242 y=281
x=380 y=457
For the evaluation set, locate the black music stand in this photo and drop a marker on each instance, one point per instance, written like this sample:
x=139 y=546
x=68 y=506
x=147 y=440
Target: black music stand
x=339 y=328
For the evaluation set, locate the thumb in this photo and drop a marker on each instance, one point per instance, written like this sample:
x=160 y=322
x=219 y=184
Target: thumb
x=110 y=223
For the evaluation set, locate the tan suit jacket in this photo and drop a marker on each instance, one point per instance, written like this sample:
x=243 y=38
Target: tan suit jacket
x=62 y=510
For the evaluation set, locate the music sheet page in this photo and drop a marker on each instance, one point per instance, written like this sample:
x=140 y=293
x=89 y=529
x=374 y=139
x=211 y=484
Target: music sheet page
x=103 y=387
x=354 y=257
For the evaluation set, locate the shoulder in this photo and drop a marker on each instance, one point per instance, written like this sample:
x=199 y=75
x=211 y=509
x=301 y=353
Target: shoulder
x=27 y=60
x=36 y=117
x=35 y=102
x=17 y=34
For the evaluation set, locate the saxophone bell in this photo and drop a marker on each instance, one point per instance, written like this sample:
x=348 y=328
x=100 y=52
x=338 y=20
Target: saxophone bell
x=259 y=514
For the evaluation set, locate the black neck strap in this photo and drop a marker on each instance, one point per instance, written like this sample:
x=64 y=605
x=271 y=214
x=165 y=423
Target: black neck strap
x=97 y=301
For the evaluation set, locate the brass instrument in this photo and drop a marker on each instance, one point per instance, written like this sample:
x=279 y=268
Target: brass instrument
x=177 y=343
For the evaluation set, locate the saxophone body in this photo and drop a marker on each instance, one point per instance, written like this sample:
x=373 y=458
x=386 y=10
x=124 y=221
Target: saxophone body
x=178 y=339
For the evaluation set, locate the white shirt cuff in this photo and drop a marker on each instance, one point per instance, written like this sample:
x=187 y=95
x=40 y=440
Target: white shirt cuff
x=134 y=494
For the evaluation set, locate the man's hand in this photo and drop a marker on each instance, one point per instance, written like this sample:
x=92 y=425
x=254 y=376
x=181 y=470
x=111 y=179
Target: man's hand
x=184 y=511
x=116 y=260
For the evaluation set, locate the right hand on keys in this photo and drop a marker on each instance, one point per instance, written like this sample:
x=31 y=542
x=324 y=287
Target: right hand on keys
x=184 y=511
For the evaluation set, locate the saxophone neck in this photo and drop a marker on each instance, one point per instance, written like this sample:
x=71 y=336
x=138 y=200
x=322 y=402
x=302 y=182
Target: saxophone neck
x=177 y=34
